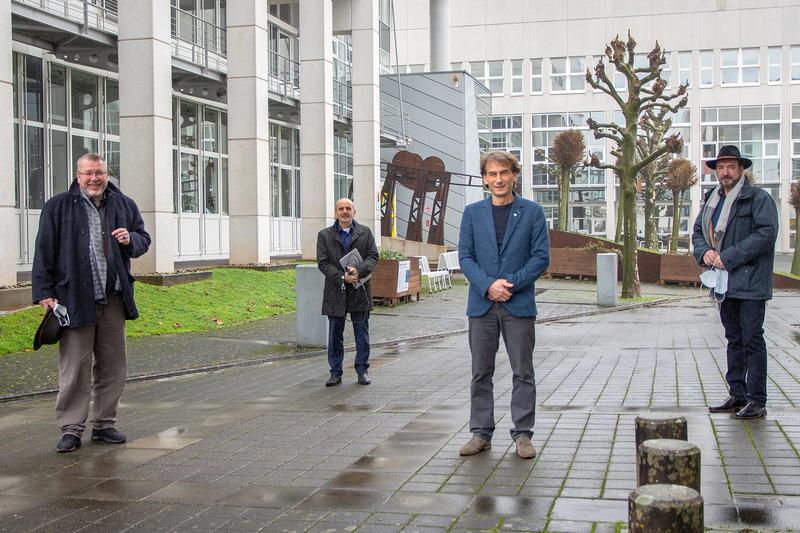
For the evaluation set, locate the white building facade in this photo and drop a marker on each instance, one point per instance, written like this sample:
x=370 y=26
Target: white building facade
x=197 y=106
x=741 y=60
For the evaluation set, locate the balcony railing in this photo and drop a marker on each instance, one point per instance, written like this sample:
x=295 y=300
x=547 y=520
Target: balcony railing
x=97 y=14
x=198 y=41
x=284 y=75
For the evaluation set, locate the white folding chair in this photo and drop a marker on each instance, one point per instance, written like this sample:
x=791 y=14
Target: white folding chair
x=444 y=267
x=435 y=277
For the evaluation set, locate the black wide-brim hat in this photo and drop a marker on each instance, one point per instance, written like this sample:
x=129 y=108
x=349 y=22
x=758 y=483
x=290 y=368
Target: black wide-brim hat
x=729 y=151
x=49 y=331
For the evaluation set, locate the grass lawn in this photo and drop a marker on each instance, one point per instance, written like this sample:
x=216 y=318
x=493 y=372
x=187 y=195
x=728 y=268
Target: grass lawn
x=232 y=296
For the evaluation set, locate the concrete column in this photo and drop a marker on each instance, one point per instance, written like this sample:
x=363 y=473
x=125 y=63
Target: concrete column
x=440 y=34
x=145 y=87
x=316 y=115
x=9 y=237
x=248 y=131
x=366 y=115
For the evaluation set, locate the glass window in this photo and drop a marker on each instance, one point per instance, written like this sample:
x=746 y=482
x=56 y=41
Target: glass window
x=210 y=130
x=80 y=146
x=58 y=95
x=286 y=192
x=567 y=74
x=112 y=161
x=59 y=162
x=706 y=68
x=536 y=76
x=774 y=71
x=223 y=185
x=210 y=178
x=223 y=133
x=33 y=89
x=685 y=68
x=189 y=184
x=84 y=101
x=740 y=66
x=34 y=149
x=516 y=76
x=795 y=64
x=112 y=107
x=188 y=124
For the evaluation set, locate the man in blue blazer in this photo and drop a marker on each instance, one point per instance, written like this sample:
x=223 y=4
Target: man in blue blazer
x=502 y=250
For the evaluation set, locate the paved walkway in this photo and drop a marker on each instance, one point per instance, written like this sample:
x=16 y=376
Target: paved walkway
x=267 y=447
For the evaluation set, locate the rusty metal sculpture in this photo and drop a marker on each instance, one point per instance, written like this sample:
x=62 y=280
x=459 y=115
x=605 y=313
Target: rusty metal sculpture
x=422 y=177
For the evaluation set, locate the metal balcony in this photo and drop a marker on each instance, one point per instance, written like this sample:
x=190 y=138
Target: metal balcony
x=198 y=41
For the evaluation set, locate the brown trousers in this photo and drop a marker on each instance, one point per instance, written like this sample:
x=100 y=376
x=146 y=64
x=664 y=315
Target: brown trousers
x=106 y=340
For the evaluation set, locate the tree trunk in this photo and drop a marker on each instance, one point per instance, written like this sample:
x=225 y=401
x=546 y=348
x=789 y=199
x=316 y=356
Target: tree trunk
x=650 y=232
x=796 y=258
x=630 y=262
x=563 y=200
x=620 y=214
x=676 y=221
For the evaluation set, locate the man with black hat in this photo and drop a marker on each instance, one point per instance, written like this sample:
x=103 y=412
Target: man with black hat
x=735 y=233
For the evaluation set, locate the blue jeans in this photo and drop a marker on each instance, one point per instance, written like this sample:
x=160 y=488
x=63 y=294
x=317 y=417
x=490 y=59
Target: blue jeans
x=743 y=321
x=336 y=341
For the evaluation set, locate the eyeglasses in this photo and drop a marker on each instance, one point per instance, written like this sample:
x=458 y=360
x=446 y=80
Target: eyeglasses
x=96 y=173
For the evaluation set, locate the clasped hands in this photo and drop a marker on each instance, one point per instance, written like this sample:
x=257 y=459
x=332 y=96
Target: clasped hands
x=711 y=258
x=350 y=275
x=499 y=291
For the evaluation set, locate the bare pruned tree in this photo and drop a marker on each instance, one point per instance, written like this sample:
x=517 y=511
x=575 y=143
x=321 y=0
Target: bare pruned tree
x=645 y=91
x=681 y=176
x=654 y=126
x=794 y=199
x=567 y=156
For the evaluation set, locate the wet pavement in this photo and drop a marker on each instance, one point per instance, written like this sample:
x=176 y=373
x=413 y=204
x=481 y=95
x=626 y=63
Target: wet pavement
x=268 y=447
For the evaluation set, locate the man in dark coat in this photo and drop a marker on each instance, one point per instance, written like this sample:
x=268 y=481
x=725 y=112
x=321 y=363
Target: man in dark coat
x=87 y=237
x=343 y=292
x=735 y=232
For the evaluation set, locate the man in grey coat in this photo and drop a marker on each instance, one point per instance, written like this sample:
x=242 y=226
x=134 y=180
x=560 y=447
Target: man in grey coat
x=343 y=292
x=735 y=232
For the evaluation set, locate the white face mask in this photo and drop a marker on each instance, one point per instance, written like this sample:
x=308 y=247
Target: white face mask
x=715 y=279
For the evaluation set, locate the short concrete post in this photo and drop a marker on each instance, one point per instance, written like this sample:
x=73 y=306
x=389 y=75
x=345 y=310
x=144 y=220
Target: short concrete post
x=311 y=327
x=607 y=280
x=658 y=427
x=665 y=508
x=669 y=461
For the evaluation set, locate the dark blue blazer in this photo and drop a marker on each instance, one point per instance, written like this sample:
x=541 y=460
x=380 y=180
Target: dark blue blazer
x=523 y=256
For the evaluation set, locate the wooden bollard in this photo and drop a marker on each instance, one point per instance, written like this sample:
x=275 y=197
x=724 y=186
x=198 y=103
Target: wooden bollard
x=669 y=462
x=655 y=426
x=665 y=509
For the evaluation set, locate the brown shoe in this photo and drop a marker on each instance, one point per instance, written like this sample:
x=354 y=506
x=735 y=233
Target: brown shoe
x=525 y=447
x=475 y=445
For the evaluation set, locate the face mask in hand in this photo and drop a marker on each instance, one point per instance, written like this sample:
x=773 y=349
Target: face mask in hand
x=717 y=281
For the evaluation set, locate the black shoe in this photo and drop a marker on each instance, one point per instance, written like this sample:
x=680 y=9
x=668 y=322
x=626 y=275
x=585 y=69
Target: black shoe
x=731 y=405
x=363 y=379
x=333 y=380
x=109 y=435
x=68 y=443
x=752 y=410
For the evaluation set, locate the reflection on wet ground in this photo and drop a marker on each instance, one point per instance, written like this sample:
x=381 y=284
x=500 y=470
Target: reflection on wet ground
x=269 y=447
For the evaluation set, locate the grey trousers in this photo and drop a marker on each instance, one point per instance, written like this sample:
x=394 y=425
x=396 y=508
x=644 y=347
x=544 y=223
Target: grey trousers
x=106 y=340
x=519 y=339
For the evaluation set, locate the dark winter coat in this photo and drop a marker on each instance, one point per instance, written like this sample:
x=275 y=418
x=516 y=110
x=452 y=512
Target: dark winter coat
x=335 y=300
x=61 y=263
x=748 y=246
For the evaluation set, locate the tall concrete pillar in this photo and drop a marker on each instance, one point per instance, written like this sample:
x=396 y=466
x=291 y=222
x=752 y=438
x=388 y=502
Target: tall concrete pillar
x=9 y=237
x=248 y=131
x=316 y=115
x=366 y=115
x=145 y=116
x=440 y=35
